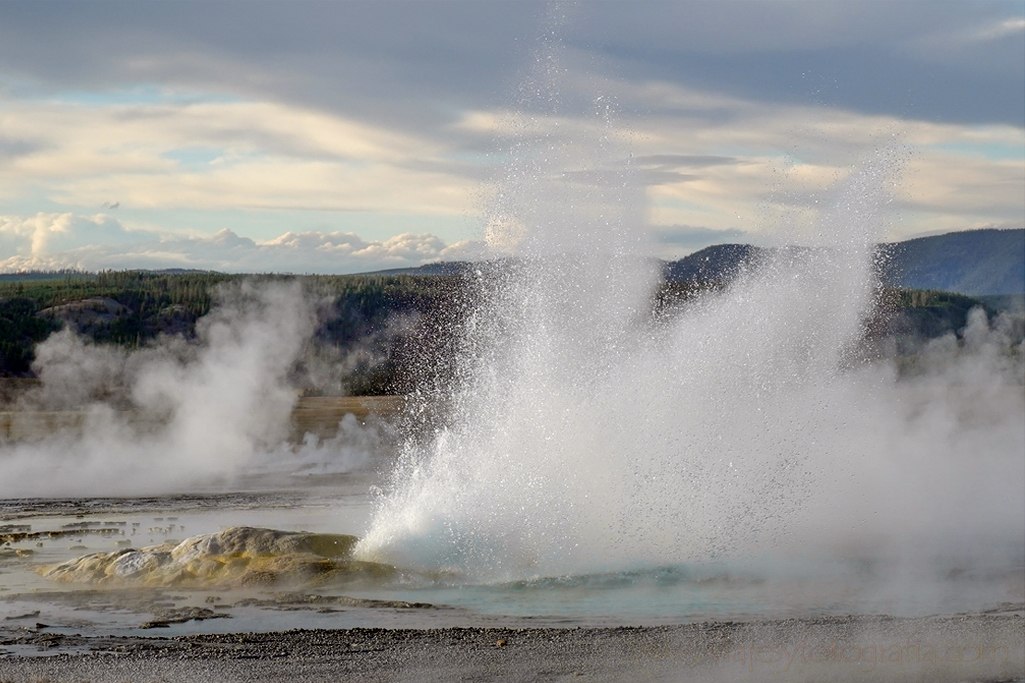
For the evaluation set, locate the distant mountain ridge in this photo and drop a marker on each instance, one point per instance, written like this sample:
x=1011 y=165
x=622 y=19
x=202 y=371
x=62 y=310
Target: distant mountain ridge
x=435 y=268
x=719 y=263
x=973 y=262
x=986 y=262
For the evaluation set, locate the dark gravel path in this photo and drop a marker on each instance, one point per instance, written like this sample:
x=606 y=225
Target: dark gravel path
x=961 y=648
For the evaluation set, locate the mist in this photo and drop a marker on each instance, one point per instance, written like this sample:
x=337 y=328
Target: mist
x=182 y=415
x=752 y=423
x=926 y=468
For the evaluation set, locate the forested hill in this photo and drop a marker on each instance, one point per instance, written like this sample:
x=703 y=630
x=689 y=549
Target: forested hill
x=712 y=265
x=374 y=314
x=975 y=262
x=409 y=318
x=398 y=324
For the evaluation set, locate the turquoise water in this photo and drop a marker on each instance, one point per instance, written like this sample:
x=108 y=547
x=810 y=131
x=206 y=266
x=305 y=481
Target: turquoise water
x=734 y=589
x=717 y=591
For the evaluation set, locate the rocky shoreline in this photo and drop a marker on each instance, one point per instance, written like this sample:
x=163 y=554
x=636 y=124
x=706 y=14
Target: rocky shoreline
x=977 y=647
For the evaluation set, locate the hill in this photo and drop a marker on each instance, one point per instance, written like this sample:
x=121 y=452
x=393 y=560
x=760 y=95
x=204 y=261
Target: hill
x=436 y=268
x=407 y=317
x=713 y=265
x=975 y=262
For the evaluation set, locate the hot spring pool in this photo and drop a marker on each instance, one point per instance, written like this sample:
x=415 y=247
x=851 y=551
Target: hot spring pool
x=44 y=533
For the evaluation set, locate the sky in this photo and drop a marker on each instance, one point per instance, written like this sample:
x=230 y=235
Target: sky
x=351 y=136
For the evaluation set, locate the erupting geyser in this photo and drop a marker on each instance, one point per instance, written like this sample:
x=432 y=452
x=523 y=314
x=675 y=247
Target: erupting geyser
x=588 y=435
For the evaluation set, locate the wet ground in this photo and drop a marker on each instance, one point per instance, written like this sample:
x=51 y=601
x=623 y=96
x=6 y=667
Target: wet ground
x=305 y=630
x=962 y=648
x=298 y=615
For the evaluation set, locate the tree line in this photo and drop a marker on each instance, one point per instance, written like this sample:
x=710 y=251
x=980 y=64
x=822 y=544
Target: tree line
x=407 y=320
x=132 y=308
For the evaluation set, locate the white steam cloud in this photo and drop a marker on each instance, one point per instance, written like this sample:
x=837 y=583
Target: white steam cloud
x=176 y=414
x=750 y=426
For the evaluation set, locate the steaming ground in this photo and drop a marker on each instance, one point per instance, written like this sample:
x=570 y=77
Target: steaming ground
x=179 y=416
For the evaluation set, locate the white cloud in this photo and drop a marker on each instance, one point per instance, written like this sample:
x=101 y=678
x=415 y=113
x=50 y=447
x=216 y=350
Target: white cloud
x=250 y=155
x=51 y=241
x=230 y=156
x=974 y=34
x=223 y=131
x=783 y=157
x=1000 y=29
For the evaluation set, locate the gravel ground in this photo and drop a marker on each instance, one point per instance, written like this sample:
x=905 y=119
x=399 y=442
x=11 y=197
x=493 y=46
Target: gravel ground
x=981 y=647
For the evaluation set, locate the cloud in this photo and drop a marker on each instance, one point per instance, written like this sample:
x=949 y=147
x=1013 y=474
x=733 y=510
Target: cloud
x=668 y=161
x=205 y=157
x=616 y=177
x=962 y=187
x=45 y=236
x=254 y=155
x=693 y=238
x=1000 y=29
x=906 y=59
x=11 y=148
x=398 y=63
x=51 y=241
x=384 y=117
x=411 y=64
